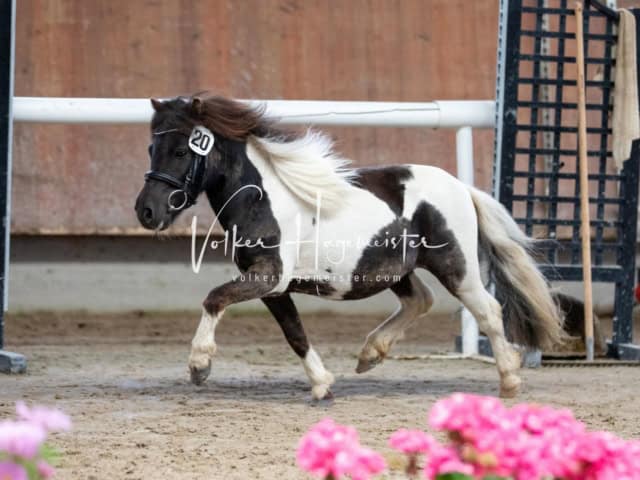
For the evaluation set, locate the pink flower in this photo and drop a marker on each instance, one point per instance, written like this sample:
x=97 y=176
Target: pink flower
x=45 y=470
x=367 y=463
x=526 y=442
x=23 y=439
x=487 y=439
x=606 y=456
x=441 y=460
x=326 y=449
x=468 y=415
x=50 y=419
x=12 y=471
x=411 y=441
x=332 y=449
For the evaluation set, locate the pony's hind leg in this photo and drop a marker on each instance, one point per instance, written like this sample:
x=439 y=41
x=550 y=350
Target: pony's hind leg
x=453 y=226
x=416 y=299
x=286 y=314
x=488 y=313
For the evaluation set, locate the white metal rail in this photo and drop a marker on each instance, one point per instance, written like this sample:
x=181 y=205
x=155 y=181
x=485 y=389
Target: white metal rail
x=439 y=114
x=462 y=115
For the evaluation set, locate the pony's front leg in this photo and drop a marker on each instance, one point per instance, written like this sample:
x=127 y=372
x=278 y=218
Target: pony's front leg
x=256 y=282
x=203 y=347
x=286 y=314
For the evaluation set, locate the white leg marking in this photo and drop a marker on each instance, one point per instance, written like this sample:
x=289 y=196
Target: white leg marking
x=321 y=379
x=203 y=345
x=488 y=313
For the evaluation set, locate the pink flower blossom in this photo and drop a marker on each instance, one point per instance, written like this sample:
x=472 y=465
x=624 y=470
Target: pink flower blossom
x=442 y=460
x=411 y=441
x=22 y=439
x=45 y=470
x=51 y=419
x=367 y=463
x=12 y=471
x=487 y=439
x=605 y=456
x=468 y=414
x=528 y=442
x=332 y=449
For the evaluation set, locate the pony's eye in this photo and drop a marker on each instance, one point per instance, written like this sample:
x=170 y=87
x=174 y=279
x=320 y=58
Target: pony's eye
x=181 y=152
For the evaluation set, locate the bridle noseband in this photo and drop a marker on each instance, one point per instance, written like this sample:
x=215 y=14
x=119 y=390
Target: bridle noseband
x=187 y=190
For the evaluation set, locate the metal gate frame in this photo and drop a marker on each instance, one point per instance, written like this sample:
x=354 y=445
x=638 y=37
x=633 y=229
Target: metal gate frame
x=513 y=104
x=9 y=362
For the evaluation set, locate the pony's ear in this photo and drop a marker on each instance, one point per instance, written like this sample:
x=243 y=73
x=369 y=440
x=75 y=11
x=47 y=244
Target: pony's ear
x=157 y=104
x=197 y=106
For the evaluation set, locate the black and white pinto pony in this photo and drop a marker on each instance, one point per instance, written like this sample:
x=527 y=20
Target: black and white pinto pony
x=312 y=225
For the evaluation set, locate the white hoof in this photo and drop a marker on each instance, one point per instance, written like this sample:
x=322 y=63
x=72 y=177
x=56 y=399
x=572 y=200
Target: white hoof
x=321 y=391
x=510 y=386
x=321 y=388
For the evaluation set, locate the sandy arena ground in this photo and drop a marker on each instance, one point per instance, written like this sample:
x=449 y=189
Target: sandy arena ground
x=124 y=381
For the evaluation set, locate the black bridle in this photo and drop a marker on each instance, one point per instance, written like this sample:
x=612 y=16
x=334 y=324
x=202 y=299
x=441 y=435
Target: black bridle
x=190 y=187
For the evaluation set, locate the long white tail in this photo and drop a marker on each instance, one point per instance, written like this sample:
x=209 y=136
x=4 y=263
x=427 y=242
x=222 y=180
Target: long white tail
x=531 y=316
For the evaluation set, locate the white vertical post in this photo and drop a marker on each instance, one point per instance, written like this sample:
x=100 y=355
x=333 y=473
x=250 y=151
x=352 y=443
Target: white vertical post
x=464 y=160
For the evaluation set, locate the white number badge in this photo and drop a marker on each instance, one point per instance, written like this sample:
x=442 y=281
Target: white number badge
x=201 y=140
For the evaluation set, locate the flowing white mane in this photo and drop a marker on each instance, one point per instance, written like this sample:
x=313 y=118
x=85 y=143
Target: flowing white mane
x=308 y=166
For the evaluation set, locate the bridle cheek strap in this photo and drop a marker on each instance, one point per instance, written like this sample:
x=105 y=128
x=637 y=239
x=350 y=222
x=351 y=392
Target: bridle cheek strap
x=187 y=191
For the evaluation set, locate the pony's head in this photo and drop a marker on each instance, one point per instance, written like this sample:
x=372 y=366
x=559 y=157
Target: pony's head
x=188 y=137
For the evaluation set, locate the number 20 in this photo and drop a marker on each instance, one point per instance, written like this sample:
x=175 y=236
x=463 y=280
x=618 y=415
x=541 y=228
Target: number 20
x=201 y=141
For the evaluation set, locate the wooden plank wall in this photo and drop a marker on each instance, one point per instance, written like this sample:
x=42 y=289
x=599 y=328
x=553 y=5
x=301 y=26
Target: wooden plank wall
x=81 y=179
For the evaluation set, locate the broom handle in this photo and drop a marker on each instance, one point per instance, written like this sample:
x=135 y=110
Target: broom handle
x=585 y=226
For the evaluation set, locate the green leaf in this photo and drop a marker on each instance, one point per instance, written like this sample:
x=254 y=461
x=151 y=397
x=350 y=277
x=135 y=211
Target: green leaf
x=49 y=454
x=454 y=476
x=31 y=468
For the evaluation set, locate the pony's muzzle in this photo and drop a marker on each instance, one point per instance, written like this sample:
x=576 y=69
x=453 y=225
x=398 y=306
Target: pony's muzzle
x=147 y=215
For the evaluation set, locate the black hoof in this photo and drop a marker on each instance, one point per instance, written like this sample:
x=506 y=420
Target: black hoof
x=366 y=365
x=198 y=376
